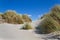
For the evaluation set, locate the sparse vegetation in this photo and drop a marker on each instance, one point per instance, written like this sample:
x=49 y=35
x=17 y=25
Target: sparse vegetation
x=14 y=18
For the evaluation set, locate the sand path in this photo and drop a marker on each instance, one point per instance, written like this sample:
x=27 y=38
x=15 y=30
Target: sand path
x=12 y=32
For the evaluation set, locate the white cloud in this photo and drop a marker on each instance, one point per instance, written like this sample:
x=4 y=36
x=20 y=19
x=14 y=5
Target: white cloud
x=11 y=11
x=28 y=14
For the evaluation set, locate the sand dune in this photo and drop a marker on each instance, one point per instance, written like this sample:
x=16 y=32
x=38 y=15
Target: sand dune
x=12 y=32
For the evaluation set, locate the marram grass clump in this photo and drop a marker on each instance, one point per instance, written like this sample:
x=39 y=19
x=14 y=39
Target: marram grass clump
x=27 y=26
x=51 y=22
x=13 y=17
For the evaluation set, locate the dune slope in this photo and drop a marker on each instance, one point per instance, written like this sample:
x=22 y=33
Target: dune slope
x=12 y=32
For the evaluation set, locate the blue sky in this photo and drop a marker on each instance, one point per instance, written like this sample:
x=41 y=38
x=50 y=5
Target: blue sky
x=35 y=8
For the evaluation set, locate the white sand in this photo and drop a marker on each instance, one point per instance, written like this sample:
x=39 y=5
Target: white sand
x=12 y=32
